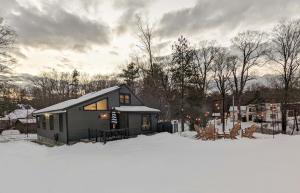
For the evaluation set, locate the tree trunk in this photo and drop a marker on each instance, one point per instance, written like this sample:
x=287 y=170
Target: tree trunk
x=239 y=107
x=284 y=111
x=283 y=120
x=182 y=114
x=223 y=113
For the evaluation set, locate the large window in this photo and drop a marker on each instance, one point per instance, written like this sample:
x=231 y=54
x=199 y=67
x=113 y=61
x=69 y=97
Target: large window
x=98 y=106
x=61 y=123
x=146 y=122
x=124 y=98
x=51 y=122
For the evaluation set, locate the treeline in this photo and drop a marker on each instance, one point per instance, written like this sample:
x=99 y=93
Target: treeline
x=53 y=87
x=182 y=84
x=190 y=81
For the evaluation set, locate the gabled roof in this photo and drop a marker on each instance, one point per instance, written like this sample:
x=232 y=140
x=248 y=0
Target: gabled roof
x=136 y=109
x=61 y=107
x=22 y=112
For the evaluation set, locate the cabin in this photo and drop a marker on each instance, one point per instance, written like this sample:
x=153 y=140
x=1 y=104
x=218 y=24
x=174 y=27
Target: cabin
x=26 y=125
x=20 y=118
x=108 y=109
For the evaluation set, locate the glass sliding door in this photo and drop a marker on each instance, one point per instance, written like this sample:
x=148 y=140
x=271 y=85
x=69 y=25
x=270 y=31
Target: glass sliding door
x=146 y=122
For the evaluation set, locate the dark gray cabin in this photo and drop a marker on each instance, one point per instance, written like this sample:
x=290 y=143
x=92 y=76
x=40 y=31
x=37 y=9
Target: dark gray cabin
x=70 y=121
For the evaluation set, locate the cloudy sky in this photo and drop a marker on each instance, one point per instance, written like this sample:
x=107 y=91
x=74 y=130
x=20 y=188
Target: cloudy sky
x=97 y=36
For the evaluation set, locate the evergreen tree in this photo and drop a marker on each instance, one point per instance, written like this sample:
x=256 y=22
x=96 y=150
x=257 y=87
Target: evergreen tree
x=75 y=83
x=182 y=57
x=130 y=73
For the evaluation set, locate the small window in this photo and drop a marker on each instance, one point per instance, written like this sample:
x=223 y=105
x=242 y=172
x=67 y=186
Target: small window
x=51 y=122
x=43 y=122
x=38 y=119
x=98 y=106
x=124 y=98
x=61 y=123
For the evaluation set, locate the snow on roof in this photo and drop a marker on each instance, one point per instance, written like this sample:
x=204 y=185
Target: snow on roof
x=243 y=108
x=136 y=109
x=4 y=118
x=71 y=102
x=20 y=113
x=30 y=121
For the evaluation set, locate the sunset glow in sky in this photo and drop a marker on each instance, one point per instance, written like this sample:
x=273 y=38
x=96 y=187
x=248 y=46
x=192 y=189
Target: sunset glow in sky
x=97 y=36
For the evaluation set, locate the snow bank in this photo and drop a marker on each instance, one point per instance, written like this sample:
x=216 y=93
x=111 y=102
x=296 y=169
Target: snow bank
x=162 y=163
x=10 y=132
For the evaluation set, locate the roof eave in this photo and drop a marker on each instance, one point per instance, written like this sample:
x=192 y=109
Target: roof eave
x=50 y=112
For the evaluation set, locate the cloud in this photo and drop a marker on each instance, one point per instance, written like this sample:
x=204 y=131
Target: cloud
x=225 y=15
x=114 y=53
x=56 y=28
x=131 y=8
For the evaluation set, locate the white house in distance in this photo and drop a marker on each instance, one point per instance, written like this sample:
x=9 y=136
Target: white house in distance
x=268 y=112
x=21 y=115
x=233 y=112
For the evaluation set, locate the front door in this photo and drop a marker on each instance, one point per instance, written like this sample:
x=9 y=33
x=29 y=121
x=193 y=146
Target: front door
x=123 y=120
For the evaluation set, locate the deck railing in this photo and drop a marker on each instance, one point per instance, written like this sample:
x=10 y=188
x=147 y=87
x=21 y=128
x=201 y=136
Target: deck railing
x=104 y=135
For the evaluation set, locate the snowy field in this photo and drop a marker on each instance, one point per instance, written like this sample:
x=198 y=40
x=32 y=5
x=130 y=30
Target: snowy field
x=162 y=163
x=15 y=135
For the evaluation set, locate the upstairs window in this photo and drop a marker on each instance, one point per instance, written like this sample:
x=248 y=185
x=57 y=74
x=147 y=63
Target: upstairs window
x=98 y=106
x=124 y=98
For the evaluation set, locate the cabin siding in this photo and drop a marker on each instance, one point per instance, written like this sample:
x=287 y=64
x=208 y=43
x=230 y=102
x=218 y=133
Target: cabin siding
x=135 y=123
x=47 y=133
x=80 y=120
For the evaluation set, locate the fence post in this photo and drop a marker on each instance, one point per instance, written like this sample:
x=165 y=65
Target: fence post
x=96 y=136
x=104 y=137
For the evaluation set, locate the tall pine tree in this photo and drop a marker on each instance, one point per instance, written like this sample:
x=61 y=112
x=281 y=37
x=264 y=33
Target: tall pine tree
x=75 y=83
x=130 y=73
x=182 y=57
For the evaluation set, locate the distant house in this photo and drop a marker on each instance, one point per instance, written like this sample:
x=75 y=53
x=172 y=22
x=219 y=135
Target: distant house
x=21 y=115
x=233 y=112
x=111 y=108
x=26 y=125
x=268 y=112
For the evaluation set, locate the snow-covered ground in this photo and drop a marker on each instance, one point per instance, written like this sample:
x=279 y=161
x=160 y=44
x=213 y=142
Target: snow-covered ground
x=162 y=163
x=15 y=135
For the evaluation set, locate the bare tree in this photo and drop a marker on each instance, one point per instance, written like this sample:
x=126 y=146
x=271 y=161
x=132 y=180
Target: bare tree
x=250 y=47
x=286 y=53
x=203 y=59
x=222 y=71
x=145 y=35
x=7 y=40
